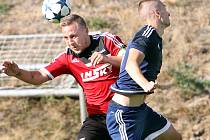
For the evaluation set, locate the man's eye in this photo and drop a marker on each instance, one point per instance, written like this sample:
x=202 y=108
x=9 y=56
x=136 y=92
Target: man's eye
x=73 y=36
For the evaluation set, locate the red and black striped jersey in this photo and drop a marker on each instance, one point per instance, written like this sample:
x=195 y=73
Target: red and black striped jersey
x=95 y=80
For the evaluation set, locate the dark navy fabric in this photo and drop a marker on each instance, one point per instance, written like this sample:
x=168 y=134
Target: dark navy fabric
x=148 y=42
x=136 y=123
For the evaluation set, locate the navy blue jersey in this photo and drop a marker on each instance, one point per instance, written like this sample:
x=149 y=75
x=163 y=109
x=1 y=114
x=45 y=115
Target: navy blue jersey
x=148 y=42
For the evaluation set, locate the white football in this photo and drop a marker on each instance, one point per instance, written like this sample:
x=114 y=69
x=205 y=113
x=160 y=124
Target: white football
x=54 y=10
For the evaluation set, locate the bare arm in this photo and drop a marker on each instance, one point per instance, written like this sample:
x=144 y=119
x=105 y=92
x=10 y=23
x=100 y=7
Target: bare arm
x=32 y=77
x=115 y=61
x=136 y=57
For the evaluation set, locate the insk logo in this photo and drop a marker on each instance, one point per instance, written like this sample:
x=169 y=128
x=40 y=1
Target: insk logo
x=96 y=73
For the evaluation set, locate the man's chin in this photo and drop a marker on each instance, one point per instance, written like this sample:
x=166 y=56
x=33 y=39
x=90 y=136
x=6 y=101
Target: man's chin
x=167 y=25
x=76 y=52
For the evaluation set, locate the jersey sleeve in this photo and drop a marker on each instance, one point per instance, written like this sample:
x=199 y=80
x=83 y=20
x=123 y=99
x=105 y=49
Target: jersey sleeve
x=57 y=67
x=113 y=43
x=140 y=44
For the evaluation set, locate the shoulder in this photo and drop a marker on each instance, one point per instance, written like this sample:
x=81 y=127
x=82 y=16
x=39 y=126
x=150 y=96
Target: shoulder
x=148 y=31
x=146 y=34
x=115 y=39
x=63 y=54
x=110 y=36
x=60 y=58
x=99 y=35
x=107 y=34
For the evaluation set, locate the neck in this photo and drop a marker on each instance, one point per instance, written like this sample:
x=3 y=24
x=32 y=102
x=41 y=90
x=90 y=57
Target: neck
x=157 y=25
x=160 y=31
x=159 y=28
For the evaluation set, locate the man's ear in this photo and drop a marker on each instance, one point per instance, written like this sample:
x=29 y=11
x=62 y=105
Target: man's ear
x=157 y=13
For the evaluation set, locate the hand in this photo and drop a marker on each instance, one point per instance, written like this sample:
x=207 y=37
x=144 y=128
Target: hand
x=10 y=68
x=97 y=58
x=149 y=87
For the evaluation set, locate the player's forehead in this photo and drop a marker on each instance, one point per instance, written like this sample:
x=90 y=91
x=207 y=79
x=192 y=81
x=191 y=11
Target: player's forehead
x=73 y=29
x=70 y=29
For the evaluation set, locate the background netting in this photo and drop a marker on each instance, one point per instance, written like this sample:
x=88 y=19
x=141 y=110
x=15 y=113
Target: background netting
x=32 y=52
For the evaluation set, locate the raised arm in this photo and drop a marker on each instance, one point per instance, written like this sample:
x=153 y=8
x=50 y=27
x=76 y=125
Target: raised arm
x=10 y=68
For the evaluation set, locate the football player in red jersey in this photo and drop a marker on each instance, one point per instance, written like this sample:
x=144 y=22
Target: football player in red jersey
x=93 y=60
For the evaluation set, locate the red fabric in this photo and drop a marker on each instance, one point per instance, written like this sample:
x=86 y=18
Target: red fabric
x=95 y=81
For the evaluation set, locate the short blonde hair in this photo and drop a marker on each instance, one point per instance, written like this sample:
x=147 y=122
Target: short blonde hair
x=68 y=20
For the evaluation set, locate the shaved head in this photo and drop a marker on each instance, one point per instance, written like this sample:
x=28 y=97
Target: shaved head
x=154 y=12
x=146 y=7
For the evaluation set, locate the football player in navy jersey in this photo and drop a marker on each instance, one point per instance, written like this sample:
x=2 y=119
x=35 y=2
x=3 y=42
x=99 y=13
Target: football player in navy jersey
x=94 y=61
x=128 y=116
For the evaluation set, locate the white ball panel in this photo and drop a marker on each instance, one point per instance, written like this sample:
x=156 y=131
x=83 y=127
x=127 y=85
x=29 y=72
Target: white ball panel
x=56 y=8
x=49 y=14
x=68 y=3
x=53 y=1
x=64 y=11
